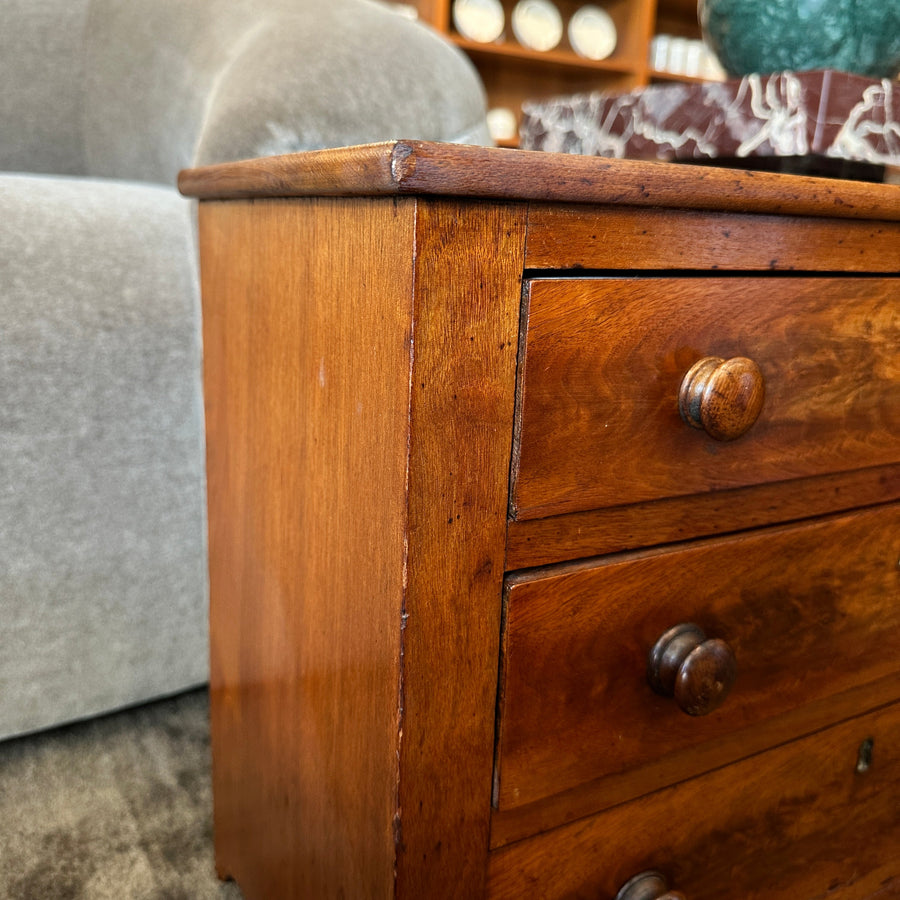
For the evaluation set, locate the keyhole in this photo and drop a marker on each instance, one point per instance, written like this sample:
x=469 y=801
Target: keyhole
x=864 y=757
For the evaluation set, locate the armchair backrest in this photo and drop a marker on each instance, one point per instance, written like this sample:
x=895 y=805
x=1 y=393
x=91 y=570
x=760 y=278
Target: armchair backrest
x=41 y=75
x=150 y=72
x=139 y=89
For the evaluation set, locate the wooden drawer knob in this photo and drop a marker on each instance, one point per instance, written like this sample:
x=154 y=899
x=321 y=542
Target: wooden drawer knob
x=648 y=886
x=697 y=672
x=722 y=397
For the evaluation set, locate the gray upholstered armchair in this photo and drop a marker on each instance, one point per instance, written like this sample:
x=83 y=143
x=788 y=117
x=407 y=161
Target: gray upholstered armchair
x=102 y=526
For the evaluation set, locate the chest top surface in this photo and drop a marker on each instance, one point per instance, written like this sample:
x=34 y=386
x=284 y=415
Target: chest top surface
x=427 y=168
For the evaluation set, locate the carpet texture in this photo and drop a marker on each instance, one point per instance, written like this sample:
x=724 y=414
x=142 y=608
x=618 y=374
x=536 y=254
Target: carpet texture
x=118 y=807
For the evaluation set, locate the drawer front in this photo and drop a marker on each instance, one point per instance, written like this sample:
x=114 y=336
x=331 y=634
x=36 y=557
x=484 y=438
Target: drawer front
x=809 y=612
x=795 y=823
x=598 y=418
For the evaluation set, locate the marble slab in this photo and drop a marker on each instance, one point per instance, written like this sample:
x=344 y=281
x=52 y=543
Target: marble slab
x=825 y=114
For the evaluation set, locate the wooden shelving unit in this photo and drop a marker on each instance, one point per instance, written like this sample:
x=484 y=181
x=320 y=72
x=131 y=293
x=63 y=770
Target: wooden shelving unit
x=512 y=73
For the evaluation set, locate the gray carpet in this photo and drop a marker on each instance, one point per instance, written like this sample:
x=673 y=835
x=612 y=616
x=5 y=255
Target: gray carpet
x=118 y=808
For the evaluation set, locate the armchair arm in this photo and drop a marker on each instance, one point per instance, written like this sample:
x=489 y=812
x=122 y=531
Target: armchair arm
x=332 y=76
x=171 y=84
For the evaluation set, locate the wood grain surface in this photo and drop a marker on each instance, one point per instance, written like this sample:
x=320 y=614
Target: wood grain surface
x=541 y=542
x=360 y=372
x=362 y=366
x=794 y=822
x=420 y=167
x=307 y=495
x=564 y=236
x=468 y=268
x=604 y=360
x=809 y=611
x=588 y=798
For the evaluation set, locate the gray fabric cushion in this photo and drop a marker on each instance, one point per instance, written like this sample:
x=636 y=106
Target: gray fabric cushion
x=307 y=81
x=102 y=574
x=41 y=85
x=150 y=66
x=171 y=84
x=138 y=89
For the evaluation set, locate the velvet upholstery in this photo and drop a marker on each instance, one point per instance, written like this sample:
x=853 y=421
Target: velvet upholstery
x=103 y=588
x=103 y=583
x=138 y=89
x=41 y=78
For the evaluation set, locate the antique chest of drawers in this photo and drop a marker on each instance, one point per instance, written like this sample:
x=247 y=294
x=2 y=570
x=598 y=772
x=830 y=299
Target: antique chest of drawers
x=554 y=527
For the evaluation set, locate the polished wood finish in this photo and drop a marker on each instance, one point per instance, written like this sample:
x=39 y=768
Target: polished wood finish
x=562 y=236
x=794 y=822
x=355 y=321
x=298 y=627
x=421 y=167
x=826 y=347
x=540 y=542
x=416 y=694
x=465 y=318
x=697 y=671
x=547 y=813
x=722 y=397
x=308 y=476
x=810 y=611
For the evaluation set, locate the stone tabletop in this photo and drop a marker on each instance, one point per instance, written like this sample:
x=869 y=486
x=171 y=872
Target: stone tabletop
x=824 y=114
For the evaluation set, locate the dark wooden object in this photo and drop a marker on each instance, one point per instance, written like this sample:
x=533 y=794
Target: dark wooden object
x=420 y=167
x=373 y=377
x=722 y=397
x=605 y=359
x=697 y=671
x=810 y=611
x=797 y=821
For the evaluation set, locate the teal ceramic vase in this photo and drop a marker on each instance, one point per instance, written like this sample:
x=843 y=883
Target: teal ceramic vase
x=858 y=36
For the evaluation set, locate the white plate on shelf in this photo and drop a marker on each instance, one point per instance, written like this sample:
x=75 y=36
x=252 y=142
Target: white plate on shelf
x=592 y=33
x=501 y=123
x=537 y=24
x=479 y=20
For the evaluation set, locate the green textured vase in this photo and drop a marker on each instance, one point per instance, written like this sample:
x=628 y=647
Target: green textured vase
x=859 y=36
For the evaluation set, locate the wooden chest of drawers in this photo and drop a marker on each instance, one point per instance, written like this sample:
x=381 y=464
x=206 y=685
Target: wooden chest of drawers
x=554 y=529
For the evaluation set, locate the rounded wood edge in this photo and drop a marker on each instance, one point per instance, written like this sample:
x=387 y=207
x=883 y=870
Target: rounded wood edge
x=424 y=167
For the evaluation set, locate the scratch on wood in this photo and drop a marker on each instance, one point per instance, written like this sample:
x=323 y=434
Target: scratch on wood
x=403 y=162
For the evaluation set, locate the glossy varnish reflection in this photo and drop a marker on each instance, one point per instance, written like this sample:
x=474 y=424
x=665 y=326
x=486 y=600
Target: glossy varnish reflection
x=305 y=616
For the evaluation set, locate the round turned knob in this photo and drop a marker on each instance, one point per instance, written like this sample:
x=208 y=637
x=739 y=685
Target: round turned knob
x=722 y=397
x=648 y=886
x=697 y=672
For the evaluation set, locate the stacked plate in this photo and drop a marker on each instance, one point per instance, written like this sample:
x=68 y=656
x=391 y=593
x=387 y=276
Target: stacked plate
x=479 y=20
x=538 y=25
x=592 y=33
